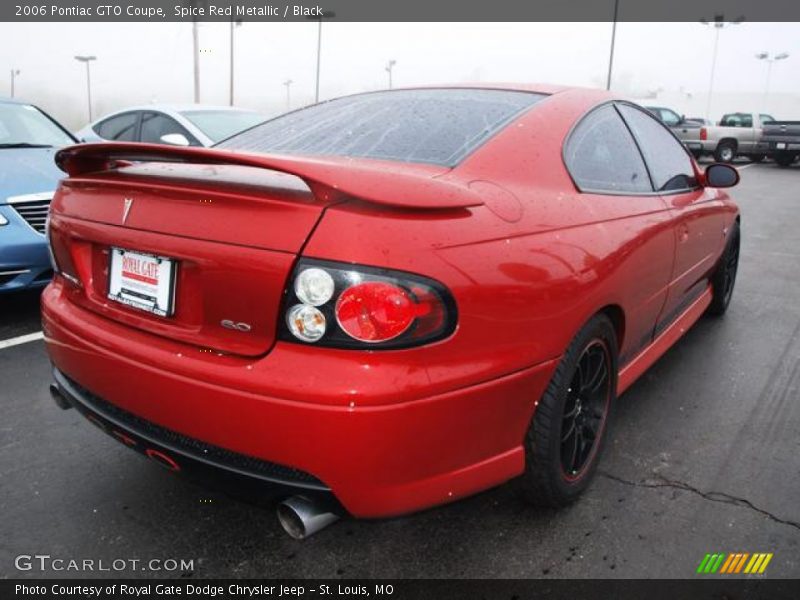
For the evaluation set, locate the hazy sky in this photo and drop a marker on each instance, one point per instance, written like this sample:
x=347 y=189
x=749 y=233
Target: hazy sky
x=144 y=62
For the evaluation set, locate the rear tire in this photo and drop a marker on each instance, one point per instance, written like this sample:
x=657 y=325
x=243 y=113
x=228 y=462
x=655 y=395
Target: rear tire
x=724 y=277
x=725 y=152
x=757 y=158
x=566 y=435
x=784 y=159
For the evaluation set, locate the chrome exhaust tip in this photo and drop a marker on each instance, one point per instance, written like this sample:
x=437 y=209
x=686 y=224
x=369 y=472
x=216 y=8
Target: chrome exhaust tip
x=302 y=517
x=58 y=397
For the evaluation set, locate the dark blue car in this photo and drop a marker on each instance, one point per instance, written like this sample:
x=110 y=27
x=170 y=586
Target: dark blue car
x=29 y=138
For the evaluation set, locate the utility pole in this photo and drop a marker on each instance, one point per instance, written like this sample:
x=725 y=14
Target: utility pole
x=14 y=74
x=389 y=66
x=325 y=15
x=613 y=41
x=87 y=60
x=288 y=84
x=196 y=58
x=234 y=24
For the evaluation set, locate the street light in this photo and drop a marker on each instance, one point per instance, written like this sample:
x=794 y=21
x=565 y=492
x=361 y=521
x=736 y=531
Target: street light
x=769 y=59
x=87 y=60
x=234 y=23
x=14 y=73
x=718 y=24
x=288 y=84
x=329 y=14
x=389 y=66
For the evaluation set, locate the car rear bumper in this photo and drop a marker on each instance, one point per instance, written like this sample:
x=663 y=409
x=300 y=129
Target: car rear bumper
x=793 y=146
x=377 y=460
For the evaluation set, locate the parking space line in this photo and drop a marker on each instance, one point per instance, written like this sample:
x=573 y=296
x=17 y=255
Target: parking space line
x=23 y=339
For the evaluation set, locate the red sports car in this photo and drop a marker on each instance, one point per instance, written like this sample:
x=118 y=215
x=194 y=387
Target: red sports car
x=387 y=301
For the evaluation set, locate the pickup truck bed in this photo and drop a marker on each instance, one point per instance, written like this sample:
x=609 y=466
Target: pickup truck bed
x=783 y=140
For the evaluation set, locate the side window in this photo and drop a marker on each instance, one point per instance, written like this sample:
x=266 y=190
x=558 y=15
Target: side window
x=601 y=155
x=155 y=125
x=731 y=121
x=747 y=121
x=670 y=117
x=121 y=128
x=766 y=118
x=670 y=165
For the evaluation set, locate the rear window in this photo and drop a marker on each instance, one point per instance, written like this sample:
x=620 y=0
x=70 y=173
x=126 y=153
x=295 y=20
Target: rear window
x=439 y=126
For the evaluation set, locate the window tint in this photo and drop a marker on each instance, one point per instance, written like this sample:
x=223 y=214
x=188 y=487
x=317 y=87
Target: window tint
x=737 y=120
x=438 y=126
x=602 y=156
x=155 y=125
x=669 y=164
x=121 y=128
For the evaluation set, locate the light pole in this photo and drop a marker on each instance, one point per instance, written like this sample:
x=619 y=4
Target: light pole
x=389 y=66
x=288 y=83
x=14 y=74
x=325 y=15
x=769 y=59
x=234 y=24
x=613 y=40
x=87 y=60
x=718 y=24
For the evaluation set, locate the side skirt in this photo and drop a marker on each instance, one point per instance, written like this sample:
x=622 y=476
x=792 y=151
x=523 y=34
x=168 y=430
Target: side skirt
x=645 y=359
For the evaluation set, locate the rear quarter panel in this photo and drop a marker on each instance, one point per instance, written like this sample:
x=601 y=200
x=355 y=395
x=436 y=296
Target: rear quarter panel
x=530 y=267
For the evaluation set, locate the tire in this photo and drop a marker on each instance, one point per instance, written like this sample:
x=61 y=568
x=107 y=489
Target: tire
x=757 y=158
x=784 y=159
x=553 y=477
x=725 y=152
x=724 y=277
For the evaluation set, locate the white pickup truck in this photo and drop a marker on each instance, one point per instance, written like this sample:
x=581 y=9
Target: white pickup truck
x=738 y=134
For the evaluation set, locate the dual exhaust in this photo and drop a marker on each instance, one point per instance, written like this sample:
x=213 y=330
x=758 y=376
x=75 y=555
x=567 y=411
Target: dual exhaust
x=300 y=516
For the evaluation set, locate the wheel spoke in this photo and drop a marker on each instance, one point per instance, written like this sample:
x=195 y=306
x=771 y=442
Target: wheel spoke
x=570 y=431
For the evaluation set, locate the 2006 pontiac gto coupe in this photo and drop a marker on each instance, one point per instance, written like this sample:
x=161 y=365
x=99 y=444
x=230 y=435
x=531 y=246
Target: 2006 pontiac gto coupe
x=386 y=301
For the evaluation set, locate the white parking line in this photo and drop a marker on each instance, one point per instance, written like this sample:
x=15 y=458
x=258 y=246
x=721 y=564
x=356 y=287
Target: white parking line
x=745 y=166
x=23 y=339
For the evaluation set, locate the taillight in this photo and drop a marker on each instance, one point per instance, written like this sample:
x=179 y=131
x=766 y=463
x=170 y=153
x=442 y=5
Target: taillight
x=703 y=133
x=350 y=306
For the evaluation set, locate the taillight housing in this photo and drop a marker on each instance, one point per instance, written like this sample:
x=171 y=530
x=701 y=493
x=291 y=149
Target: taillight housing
x=703 y=133
x=352 y=306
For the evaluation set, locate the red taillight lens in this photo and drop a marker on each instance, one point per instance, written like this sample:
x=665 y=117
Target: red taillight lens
x=375 y=311
x=703 y=133
x=366 y=307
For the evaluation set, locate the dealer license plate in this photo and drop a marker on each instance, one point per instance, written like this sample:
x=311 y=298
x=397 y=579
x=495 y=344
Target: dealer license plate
x=143 y=281
x=780 y=146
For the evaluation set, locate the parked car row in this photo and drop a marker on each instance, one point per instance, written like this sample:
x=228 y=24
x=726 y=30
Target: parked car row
x=752 y=135
x=29 y=139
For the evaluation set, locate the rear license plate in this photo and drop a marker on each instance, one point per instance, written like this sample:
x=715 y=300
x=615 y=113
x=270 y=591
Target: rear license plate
x=780 y=146
x=143 y=281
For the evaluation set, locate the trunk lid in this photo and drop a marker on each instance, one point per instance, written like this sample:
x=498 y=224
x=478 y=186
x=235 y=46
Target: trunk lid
x=232 y=224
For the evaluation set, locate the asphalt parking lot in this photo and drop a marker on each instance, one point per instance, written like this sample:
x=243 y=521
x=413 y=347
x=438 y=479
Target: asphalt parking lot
x=704 y=457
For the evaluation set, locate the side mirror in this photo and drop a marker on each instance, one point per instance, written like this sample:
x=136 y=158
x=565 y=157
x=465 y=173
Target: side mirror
x=174 y=139
x=720 y=175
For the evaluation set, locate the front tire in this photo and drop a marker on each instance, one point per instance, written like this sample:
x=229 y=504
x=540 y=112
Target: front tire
x=566 y=435
x=784 y=159
x=725 y=275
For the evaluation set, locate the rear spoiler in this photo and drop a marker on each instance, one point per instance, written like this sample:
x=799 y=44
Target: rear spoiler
x=328 y=178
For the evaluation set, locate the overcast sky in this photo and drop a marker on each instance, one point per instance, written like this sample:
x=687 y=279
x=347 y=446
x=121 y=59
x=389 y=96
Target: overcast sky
x=144 y=62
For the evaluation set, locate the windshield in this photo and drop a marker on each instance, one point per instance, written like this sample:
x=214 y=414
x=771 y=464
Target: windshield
x=221 y=124
x=437 y=126
x=23 y=125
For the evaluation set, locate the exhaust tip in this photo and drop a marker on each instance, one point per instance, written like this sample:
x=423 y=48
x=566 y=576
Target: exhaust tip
x=58 y=397
x=302 y=517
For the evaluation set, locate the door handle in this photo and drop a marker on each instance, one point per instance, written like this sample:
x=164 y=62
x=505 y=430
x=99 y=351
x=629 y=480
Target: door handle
x=683 y=233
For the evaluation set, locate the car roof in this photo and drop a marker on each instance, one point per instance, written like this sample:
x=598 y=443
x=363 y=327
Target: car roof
x=180 y=108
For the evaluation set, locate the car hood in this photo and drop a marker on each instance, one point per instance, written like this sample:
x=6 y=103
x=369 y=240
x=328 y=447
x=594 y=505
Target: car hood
x=27 y=171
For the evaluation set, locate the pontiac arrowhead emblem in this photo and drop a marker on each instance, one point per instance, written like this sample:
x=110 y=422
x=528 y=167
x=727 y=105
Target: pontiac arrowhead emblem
x=127 y=209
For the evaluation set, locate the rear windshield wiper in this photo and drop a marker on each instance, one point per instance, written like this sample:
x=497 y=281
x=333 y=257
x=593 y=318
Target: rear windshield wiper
x=25 y=145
